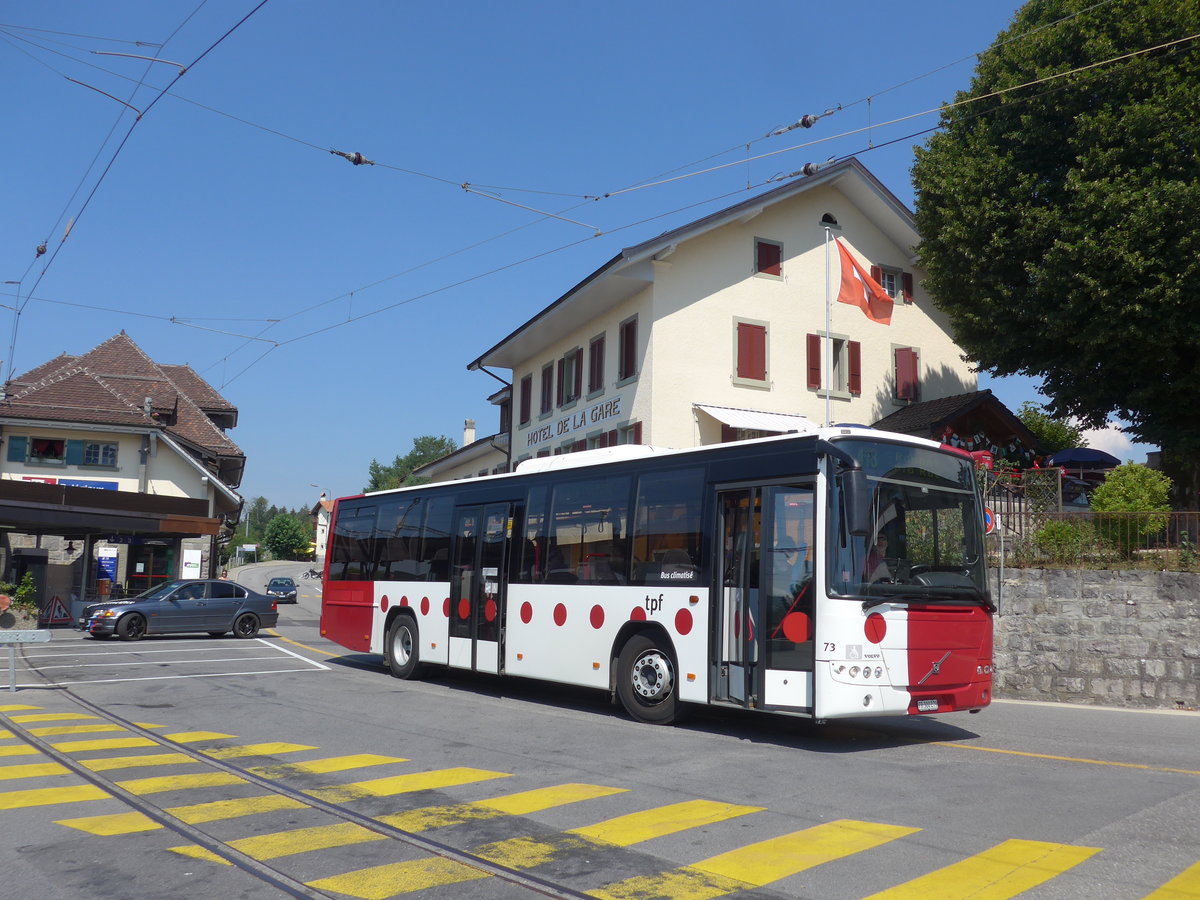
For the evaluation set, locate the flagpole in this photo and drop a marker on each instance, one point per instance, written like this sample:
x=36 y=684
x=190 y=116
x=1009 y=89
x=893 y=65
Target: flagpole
x=828 y=335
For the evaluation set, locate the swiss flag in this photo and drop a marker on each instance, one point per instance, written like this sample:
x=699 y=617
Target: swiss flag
x=860 y=289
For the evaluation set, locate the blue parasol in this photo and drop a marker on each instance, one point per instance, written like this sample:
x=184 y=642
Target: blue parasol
x=1084 y=458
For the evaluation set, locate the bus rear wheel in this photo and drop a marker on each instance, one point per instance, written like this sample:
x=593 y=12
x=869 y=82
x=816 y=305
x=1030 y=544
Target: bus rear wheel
x=403 y=648
x=646 y=681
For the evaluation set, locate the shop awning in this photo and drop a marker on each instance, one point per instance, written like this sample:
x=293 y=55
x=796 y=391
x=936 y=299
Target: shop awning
x=754 y=420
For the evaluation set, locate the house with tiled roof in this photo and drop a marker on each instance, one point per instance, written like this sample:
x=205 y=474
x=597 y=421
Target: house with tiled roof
x=110 y=456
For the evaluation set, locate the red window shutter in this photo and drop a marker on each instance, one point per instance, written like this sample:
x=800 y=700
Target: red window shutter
x=728 y=434
x=596 y=365
x=578 y=445
x=547 y=388
x=877 y=274
x=612 y=438
x=526 y=399
x=562 y=381
x=578 y=374
x=637 y=432
x=907 y=387
x=628 y=349
x=813 y=343
x=752 y=351
x=854 y=355
x=906 y=279
x=769 y=258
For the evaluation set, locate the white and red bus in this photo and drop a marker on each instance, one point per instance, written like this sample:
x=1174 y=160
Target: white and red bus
x=832 y=574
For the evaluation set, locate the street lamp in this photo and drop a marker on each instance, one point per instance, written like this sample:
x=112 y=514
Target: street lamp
x=830 y=224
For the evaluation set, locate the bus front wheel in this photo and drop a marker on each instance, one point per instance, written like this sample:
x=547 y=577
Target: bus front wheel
x=646 y=681
x=403 y=653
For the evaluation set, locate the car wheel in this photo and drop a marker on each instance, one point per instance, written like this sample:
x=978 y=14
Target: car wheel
x=646 y=681
x=132 y=627
x=403 y=648
x=246 y=625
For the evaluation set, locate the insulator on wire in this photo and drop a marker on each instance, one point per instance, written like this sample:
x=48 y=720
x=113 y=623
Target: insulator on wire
x=41 y=249
x=356 y=159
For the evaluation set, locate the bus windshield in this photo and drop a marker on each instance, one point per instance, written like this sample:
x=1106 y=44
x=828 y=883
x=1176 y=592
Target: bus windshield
x=925 y=534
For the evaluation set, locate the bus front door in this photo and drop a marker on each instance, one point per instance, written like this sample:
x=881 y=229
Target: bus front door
x=736 y=597
x=477 y=585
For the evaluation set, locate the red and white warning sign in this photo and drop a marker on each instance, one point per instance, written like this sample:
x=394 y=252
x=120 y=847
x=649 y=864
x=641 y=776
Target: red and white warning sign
x=56 y=613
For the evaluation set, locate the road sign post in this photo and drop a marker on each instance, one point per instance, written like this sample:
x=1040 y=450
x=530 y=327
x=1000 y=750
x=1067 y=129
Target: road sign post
x=10 y=639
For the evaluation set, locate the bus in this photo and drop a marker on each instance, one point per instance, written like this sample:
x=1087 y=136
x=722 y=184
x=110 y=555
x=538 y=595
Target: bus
x=829 y=574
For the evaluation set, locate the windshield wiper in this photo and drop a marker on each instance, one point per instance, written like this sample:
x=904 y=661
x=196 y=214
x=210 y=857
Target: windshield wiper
x=928 y=595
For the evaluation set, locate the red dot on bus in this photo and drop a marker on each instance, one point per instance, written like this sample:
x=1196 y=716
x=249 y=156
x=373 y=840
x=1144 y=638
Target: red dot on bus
x=424 y=606
x=526 y=612
x=797 y=627
x=560 y=614
x=383 y=603
x=489 y=610
x=464 y=608
x=446 y=607
x=749 y=628
x=404 y=601
x=875 y=627
x=638 y=614
x=683 y=621
x=597 y=616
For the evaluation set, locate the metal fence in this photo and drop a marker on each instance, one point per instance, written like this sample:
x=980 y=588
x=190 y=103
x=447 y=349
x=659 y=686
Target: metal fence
x=1094 y=540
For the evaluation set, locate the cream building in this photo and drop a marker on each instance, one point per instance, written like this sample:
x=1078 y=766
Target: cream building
x=717 y=331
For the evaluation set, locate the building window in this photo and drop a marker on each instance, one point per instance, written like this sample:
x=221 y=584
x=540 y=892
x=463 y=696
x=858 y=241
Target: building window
x=570 y=376
x=547 y=389
x=846 y=365
x=768 y=257
x=627 y=350
x=897 y=283
x=908 y=380
x=596 y=365
x=47 y=451
x=525 y=402
x=100 y=454
x=750 y=353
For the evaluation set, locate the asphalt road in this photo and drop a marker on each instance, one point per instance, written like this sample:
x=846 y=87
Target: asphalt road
x=285 y=766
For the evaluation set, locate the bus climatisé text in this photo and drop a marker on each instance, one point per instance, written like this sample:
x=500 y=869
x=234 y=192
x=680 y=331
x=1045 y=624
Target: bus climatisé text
x=832 y=574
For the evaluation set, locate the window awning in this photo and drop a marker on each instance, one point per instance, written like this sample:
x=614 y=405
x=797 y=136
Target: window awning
x=754 y=420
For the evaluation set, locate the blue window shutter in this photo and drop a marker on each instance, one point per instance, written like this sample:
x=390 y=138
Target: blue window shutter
x=17 y=445
x=74 y=453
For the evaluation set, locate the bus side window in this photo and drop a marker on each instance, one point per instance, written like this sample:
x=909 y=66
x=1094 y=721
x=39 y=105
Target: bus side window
x=532 y=568
x=666 y=528
x=435 y=538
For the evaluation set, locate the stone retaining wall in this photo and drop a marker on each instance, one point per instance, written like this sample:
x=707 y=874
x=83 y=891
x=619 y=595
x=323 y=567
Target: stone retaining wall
x=1114 y=638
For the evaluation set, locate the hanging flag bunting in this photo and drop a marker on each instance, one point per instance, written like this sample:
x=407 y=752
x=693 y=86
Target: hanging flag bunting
x=859 y=289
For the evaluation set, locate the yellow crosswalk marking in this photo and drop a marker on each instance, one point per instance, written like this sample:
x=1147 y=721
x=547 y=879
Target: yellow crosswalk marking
x=114 y=824
x=268 y=749
x=1184 y=886
x=59 y=730
x=219 y=810
x=325 y=766
x=19 y=750
x=996 y=874
x=5 y=734
x=158 y=785
x=50 y=796
x=642 y=826
x=404 y=784
x=192 y=737
x=381 y=882
x=108 y=763
x=196 y=852
x=106 y=744
x=16 y=707
x=759 y=864
x=297 y=840
x=520 y=804
x=51 y=717
x=32 y=770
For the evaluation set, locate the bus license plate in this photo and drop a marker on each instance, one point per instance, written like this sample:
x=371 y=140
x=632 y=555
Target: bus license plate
x=927 y=705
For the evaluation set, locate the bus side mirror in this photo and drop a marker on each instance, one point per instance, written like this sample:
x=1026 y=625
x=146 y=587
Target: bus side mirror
x=857 y=494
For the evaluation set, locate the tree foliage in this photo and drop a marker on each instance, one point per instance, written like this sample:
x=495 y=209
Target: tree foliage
x=285 y=537
x=425 y=449
x=1131 y=488
x=1052 y=434
x=1058 y=220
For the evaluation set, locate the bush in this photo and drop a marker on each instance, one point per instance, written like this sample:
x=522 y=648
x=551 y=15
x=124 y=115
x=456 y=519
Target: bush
x=1132 y=488
x=1064 y=541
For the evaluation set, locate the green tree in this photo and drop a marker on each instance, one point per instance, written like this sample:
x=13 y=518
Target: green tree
x=1127 y=489
x=1052 y=434
x=425 y=449
x=286 y=538
x=1058 y=220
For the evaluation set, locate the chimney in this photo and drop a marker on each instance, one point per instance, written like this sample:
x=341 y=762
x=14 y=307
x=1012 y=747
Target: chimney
x=468 y=432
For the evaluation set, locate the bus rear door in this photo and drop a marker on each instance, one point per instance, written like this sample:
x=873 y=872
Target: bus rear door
x=478 y=585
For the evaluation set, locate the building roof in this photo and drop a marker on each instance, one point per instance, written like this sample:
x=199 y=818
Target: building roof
x=929 y=418
x=117 y=384
x=630 y=270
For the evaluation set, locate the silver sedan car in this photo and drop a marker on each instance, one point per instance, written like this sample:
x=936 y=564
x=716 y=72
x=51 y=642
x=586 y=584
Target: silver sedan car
x=215 y=606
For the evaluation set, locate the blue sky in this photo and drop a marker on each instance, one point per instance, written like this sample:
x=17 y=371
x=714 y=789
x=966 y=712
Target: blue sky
x=338 y=305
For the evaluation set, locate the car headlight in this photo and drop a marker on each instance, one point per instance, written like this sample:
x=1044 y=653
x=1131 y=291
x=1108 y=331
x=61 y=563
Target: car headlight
x=106 y=614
